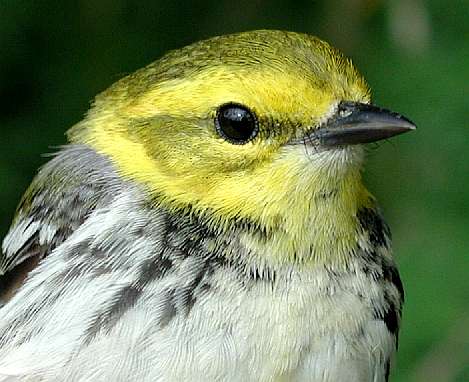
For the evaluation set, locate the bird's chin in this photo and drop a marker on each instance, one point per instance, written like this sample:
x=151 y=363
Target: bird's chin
x=344 y=153
x=336 y=161
x=328 y=162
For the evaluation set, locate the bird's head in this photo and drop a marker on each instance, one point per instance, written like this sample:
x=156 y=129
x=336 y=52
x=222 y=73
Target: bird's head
x=262 y=126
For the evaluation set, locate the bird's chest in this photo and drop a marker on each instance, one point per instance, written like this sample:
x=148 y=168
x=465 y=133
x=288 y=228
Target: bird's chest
x=306 y=327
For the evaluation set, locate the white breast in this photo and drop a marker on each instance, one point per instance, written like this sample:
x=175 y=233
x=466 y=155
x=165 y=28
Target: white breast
x=309 y=325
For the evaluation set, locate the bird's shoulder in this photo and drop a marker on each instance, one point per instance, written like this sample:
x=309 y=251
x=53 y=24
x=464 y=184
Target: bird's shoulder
x=61 y=196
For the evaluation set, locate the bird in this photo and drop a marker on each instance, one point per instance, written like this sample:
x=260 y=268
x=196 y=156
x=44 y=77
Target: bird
x=207 y=221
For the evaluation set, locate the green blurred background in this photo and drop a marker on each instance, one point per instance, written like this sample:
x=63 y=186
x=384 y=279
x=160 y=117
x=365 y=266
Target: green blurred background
x=415 y=54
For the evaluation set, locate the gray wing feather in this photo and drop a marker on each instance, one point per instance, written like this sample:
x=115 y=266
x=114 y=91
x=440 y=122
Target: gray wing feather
x=65 y=191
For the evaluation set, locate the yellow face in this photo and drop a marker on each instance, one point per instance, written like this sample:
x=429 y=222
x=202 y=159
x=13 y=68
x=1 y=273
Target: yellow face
x=159 y=127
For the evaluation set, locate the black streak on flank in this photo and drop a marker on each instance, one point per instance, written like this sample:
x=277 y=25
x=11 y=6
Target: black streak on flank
x=391 y=274
x=168 y=309
x=154 y=269
x=180 y=300
x=372 y=223
x=390 y=316
x=392 y=313
x=391 y=319
x=189 y=296
x=127 y=297
x=387 y=368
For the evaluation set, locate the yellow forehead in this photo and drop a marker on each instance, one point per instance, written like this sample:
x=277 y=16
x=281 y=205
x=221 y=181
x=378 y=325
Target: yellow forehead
x=277 y=93
x=279 y=75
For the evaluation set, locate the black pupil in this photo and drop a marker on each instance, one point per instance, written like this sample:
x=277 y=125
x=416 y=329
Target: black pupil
x=236 y=123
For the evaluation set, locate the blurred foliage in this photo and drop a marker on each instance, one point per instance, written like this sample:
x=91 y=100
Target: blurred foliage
x=415 y=54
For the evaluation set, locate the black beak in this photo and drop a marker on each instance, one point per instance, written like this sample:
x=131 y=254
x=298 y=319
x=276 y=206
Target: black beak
x=357 y=123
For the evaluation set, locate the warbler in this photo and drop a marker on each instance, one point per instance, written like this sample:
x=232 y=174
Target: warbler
x=208 y=222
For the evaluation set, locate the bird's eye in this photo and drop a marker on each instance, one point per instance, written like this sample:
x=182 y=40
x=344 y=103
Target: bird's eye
x=236 y=123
